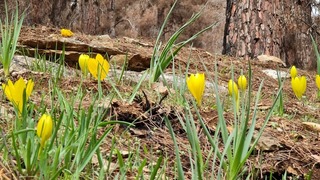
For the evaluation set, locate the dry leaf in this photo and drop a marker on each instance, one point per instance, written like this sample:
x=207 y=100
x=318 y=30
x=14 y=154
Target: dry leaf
x=230 y=129
x=316 y=157
x=159 y=87
x=312 y=126
x=138 y=132
x=267 y=142
x=292 y=171
x=263 y=107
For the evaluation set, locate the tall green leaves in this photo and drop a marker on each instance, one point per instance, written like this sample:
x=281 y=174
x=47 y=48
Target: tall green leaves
x=162 y=58
x=315 y=47
x=10 y=30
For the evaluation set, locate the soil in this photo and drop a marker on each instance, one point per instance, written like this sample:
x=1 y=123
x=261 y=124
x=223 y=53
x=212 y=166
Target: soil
x=286 y=144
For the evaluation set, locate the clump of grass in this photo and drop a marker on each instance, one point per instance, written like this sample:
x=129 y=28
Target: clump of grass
x=10 y=31
x=162 y=57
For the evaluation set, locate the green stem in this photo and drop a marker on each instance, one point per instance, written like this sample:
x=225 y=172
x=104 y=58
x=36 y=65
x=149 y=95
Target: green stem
x=281 y=107
x=6 y=71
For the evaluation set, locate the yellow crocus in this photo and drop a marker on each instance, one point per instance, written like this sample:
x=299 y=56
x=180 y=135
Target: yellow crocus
x=293 y=72
x=242 y=83
x=233 y=89
x=318 y=81
x=66 y=32
x=196 y=85
x=44 y=128
x=83 y=63
x=299 y=85
x=14 y=92
x=97 y=66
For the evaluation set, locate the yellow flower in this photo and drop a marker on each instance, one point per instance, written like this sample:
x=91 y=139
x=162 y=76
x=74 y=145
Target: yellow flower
x=83 y=63
x=233 y=89
x=293 y=72
x=196 y=85
x=66 y=32
x=318 y=81
x=242 y=82
x=14 y=92
x=44 y=128
x=299 y=85
x=98 y=66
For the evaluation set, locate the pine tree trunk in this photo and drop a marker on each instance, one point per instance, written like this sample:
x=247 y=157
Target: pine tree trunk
x=279 y=28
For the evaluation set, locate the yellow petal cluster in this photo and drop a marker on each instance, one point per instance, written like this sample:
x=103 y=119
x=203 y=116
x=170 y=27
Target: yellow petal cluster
x=242 y=82
x=44 y=128
x=293 y=72
x=233 y=89
x=299 y=85
x=318 y=81
x=196 y=85
x=14 y=92
x=98 y=66
x=83 y=63
x=66 y=32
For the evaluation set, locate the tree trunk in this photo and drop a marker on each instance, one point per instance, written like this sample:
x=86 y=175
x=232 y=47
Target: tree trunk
x=279 y=28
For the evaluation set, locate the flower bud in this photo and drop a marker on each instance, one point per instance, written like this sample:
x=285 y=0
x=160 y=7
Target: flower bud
x=242 y=83
x=293 y=72
x=44 y=128
x=196 y=85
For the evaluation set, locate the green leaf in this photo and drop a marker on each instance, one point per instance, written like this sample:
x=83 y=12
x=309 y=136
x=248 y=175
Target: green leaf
x=315 y=47
x=176 y=148
x=156 y=168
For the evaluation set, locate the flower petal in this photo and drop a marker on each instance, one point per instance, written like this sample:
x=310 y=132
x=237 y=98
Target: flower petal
x=7 y=91
x=104 y=65
x=83 y=63
x=29 y=88
x=233 y=89
x=92 y=67
x=98 y=66
x=196 y=85
x=19 y=87
x=242 y=83
x=293 y=72
x=318 y=81
x=299 y=85
x=66 y=32
x=44 y=128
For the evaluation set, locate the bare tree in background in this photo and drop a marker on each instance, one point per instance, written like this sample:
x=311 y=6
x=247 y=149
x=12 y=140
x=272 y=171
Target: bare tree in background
x=279 y=28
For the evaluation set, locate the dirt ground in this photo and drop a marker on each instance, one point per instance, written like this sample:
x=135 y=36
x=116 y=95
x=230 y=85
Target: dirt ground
x=286 y=145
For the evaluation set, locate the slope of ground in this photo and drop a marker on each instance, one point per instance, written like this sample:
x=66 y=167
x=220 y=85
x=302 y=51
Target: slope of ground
x=286 y=145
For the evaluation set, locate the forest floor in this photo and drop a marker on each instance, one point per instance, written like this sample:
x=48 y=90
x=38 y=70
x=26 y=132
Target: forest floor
x=286 y=144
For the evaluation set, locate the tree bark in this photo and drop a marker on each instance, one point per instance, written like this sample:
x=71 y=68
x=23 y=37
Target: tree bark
x=279 y=28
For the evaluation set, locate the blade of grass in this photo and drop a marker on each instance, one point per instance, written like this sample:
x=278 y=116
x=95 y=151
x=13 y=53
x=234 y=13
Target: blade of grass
x=315 y=47
x=176 y=148
x=156 y=168
x=89 y=154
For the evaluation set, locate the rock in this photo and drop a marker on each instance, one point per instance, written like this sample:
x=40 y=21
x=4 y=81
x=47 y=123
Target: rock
x=273 y=73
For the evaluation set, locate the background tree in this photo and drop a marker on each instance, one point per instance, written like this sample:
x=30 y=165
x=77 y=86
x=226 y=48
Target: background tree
x=280 y=28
